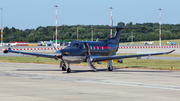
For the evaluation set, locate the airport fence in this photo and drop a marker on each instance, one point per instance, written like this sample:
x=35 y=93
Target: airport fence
x=123 y=47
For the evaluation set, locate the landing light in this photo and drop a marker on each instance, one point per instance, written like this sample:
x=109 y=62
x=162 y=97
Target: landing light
x=67 y=53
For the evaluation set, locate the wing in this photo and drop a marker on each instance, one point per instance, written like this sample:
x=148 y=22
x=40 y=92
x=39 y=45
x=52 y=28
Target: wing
x=29 y=53
x=126 y=56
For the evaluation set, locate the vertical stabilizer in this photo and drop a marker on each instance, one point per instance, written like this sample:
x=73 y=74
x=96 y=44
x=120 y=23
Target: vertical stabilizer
x=117 y=35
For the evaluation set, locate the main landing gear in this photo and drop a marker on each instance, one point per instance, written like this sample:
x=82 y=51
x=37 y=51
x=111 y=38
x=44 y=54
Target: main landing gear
x=68 y=69
x=109 y=65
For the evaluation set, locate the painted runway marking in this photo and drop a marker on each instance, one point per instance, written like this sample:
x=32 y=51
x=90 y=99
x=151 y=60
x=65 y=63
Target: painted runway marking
x=109 y=82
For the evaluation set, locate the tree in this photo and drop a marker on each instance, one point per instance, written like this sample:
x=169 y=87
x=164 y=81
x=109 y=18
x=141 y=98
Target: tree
x=65 y=32
x=121 y=24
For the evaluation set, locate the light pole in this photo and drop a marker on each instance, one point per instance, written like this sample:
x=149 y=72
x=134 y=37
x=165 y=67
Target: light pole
x=132 y=38
x=1 y=26
x=77 y=33
x=160 y=27
x=91 y=33
x=111 y=22
x=56 y=24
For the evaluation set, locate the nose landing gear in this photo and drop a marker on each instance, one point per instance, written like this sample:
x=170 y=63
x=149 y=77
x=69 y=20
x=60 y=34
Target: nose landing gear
x=63 y=66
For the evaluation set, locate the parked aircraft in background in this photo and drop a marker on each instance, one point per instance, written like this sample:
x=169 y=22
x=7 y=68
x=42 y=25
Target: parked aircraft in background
x=89 y=51
x=173 y=43
x=148 y=43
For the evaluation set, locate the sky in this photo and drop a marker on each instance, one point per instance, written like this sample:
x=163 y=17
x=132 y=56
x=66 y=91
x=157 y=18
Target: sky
x=30 y=14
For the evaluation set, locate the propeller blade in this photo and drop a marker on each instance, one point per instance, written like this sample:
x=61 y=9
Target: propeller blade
x=54 y=46
x=88 y=49
x=89 y=60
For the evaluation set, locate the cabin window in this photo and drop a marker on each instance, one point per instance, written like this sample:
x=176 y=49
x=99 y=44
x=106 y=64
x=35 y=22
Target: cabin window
x=91 y=47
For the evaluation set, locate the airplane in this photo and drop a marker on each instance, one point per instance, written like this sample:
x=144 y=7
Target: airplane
x=148 y=43
x=89 y=51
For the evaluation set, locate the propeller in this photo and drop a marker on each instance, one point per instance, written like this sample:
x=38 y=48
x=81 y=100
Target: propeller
x=59 y=55
x=89 y=58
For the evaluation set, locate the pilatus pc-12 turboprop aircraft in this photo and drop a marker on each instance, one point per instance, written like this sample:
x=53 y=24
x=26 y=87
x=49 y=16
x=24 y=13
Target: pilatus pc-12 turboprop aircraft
x=89 y=51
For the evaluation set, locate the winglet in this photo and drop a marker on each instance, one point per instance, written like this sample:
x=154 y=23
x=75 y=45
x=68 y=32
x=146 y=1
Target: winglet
x=171 y=51
x=6 y=50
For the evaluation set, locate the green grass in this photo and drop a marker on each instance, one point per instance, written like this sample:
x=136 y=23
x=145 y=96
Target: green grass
x=29 y=60
x=127 y=63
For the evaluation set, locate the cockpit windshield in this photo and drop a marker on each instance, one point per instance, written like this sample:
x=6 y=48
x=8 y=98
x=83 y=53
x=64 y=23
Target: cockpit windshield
x=75 y=44
x=79 y=45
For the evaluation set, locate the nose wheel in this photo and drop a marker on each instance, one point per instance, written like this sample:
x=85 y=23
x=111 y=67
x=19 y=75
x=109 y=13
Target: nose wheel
x=63 y=66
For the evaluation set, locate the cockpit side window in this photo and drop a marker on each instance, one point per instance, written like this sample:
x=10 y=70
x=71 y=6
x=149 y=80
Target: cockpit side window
x=79 y=45
x=82 y=46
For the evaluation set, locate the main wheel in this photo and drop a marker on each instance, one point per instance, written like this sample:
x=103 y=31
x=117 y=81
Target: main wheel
x=68 y=70
x=110 y=68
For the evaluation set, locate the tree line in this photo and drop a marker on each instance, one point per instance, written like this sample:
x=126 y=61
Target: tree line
x=65 y=32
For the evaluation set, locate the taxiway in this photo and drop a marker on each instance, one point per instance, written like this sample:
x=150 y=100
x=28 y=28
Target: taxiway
x=46 y=82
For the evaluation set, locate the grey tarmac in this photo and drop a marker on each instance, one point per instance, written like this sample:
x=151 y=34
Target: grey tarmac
x=46 y=82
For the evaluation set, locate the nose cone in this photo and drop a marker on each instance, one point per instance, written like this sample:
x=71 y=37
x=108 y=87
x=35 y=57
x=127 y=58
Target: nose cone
x=58 y=53
x=69 y=51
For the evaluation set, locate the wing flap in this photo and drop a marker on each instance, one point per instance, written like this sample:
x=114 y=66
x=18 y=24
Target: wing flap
x=127 y=56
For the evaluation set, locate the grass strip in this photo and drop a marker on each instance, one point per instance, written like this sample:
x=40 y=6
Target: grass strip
x=127 y=63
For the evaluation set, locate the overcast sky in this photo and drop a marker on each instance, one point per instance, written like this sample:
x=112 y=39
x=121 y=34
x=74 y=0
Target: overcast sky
x=30 y=14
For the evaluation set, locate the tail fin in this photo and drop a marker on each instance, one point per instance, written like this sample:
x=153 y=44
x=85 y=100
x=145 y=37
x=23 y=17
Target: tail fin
x=117 y=35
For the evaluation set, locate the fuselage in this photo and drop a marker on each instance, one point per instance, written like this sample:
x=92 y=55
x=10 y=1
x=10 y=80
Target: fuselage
x=77 y=51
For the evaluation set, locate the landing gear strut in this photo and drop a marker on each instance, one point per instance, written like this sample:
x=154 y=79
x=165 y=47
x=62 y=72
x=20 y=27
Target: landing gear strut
x=64 y=68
